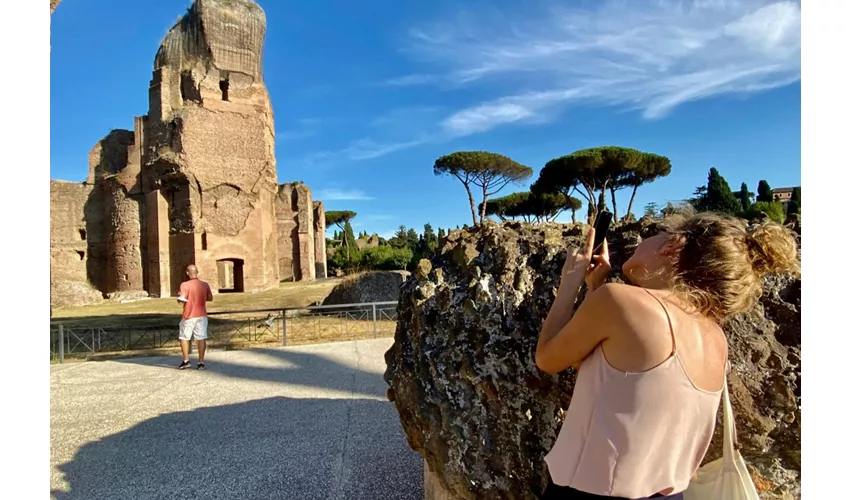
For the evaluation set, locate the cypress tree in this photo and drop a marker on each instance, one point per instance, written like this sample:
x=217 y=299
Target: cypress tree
x=718 y=195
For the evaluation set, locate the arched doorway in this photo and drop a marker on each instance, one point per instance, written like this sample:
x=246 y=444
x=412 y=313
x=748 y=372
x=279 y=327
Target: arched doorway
x=231 y=275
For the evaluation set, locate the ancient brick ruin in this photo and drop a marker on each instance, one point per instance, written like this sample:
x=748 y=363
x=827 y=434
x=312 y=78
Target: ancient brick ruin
x=195 y=181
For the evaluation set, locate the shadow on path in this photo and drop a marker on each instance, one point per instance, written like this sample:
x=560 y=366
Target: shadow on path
x=306 y=369
x=273 y=448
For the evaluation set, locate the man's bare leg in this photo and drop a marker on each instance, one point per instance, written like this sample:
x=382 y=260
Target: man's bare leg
x=184 y=346
x=202 y=348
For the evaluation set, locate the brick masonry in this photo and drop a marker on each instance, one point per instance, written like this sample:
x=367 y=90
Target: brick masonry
x=195 y=181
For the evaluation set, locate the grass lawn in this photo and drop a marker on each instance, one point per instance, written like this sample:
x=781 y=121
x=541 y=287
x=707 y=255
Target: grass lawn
x=168 y=310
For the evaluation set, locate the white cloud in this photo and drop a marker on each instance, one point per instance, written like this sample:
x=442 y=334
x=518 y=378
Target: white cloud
x=288 y=135
x=361 y=149
x=333 y=194
x=486 y=116
x=409 y=117
x=651 y=56
x=410 y=80
x=305 y=127
x=364 y=149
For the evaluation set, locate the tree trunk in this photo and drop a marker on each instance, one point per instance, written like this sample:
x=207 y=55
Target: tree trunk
x=614 y=203
x=631 y=200
x=591 y=203
x=471 y=204
x=574 y=215
x=601 y=205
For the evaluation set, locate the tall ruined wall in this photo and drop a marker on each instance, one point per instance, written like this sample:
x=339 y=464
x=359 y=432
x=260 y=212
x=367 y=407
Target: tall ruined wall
x=195 y=182
x=68 y=235
x=319 y=228
x=211 y=156
x=295 y=233
x=472 y=402
x=114 y=214
x=69 y=245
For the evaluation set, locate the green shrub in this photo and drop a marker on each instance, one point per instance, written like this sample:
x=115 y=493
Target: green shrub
x=386 y=258
x=773 y=210
x=342 y=259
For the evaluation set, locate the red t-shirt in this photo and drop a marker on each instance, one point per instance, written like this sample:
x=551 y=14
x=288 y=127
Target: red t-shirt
x=195 y=292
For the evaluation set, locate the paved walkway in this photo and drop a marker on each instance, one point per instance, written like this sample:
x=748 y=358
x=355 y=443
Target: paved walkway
x=308 y=422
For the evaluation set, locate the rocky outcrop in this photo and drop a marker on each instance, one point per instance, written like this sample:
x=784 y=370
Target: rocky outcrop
x=68 y=293
x=472 y=402
x=369 y=242
x=376 y=286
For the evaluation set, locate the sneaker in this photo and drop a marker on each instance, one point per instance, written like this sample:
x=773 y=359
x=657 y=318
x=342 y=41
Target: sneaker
x=183 y=365
x=201 y=366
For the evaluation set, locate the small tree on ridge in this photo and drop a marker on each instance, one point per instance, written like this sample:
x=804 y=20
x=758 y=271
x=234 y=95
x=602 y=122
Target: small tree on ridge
x=341 y=218
x=491 y=172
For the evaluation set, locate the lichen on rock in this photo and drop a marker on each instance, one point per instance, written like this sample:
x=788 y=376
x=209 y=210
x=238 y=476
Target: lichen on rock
x=472 y=402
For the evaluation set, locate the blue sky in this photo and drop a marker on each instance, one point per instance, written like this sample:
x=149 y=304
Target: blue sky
x=368 y=94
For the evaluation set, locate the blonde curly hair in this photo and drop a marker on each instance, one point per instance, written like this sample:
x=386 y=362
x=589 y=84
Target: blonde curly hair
x=722 y=263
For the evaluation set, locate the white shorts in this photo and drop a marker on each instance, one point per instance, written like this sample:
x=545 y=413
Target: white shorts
x=193 y=328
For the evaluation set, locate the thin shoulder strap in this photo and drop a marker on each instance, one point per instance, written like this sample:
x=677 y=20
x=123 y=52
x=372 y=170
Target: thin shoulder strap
x=730 y=435
x=666 y=313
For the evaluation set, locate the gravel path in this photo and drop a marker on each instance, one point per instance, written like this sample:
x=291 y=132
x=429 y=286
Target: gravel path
x=308 y=422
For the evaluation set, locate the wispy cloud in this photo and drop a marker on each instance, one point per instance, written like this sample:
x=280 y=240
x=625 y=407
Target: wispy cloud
x=364 y=149
x=360 y=149
x=301 y=129
x=406 y=117
x=651 y=56
x=410 y=80
x=332 y=194
x=289 y=135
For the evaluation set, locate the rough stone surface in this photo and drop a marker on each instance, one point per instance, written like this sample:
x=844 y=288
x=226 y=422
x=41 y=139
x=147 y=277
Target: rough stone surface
x=296 y=227
x=319 y=226
x=69 y=245
x=375 y=286
x=72 y=293
x=195 y=181
x=370 y=242
x=472 y=402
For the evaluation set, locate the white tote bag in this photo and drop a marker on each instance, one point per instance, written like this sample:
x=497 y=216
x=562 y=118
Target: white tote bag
x=727 y=477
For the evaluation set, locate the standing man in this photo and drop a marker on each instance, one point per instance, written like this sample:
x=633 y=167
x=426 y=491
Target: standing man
x=194 y=295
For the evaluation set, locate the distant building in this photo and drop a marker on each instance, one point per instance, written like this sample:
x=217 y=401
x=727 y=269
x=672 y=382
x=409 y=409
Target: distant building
x=783 y=195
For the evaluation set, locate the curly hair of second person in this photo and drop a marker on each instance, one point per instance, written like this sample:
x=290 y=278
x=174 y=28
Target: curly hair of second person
x=722 y=263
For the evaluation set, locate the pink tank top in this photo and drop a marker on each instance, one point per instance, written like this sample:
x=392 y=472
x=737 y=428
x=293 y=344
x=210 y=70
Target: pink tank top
x=633 y=435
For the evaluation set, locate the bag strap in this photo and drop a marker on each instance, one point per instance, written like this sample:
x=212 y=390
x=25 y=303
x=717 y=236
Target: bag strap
x=730 y=436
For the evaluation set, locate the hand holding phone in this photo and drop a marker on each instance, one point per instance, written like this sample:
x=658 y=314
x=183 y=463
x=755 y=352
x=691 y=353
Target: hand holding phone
x=601 y=226
x=581 y=264
x=600 y=265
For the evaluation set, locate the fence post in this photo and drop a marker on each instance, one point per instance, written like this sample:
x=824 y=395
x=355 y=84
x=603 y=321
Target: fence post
x=374 y=321
x=283 y=321
x=61 y=343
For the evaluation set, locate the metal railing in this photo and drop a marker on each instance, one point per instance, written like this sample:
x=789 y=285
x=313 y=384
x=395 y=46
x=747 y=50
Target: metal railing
x=287 y=326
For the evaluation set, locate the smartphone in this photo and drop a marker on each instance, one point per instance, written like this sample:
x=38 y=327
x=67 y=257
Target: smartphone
x=601 y=225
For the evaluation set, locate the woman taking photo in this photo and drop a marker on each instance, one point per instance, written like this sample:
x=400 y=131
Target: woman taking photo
x=652 y=356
